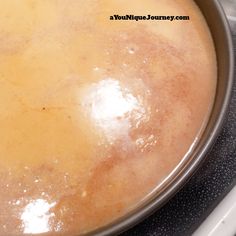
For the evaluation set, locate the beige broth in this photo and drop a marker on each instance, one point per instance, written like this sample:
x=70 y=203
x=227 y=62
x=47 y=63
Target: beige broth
x=95 y=113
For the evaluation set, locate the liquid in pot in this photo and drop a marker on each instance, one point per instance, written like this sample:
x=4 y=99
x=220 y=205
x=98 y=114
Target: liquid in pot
x=95 y=113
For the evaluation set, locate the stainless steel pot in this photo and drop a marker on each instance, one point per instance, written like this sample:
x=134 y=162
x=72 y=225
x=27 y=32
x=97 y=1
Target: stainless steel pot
x=218 y=24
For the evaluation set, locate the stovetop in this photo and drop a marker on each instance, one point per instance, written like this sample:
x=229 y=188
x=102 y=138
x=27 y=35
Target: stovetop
x=183 y=214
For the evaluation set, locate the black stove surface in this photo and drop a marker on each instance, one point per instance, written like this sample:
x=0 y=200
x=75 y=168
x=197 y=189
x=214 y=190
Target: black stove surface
x=182 y=215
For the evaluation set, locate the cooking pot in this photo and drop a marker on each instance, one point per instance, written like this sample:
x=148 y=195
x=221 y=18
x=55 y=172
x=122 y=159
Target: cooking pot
x=221 y=34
